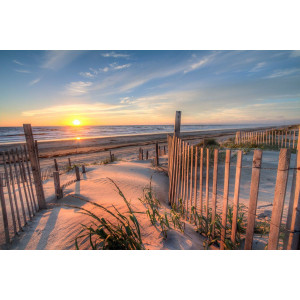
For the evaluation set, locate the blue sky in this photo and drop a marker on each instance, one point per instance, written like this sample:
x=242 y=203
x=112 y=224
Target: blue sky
x=147 y=87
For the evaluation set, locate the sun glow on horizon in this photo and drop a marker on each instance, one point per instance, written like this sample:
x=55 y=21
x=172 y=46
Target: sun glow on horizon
x=76 y=123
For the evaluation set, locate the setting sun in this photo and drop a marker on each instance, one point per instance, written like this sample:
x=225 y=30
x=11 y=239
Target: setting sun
x=76 y=122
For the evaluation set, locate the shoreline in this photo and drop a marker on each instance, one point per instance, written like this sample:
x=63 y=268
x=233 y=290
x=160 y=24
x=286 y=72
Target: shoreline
x=60 y=148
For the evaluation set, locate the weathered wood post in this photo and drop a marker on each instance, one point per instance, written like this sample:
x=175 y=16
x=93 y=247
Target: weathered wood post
x=294 y=236
x=156 y=154
x=177 y=123
x=57 y=187
x=256 y=166
x=69 y=161
x=83 y=169
x=279 y=197
x=4 y=212
x=147 y=155
x=55 y=164
x=77 y=173
x=110 y=157
x=34 y=166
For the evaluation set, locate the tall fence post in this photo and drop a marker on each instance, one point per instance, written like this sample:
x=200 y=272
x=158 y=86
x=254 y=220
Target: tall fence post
x=4 y=211
x=34 y=165
x=294 y=236
x=256 y=166
x=177 y=123
x=55 y=164
x=279 y=197
x=57 y=187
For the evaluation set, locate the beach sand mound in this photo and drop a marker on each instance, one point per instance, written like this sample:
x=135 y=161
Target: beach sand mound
x=58 y=226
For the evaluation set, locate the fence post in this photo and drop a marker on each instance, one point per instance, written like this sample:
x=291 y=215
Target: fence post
x=279 y=196
x=225 y=198
x=214 y=190
x=34 y=166
x=83 y=169
x=236 y=195
x=55 y=164
x=177 y=123
x=256 y=165
x=57 y=187
x=294 y=236
x=157 y=154
x=4 y=212
x=77 y=173
x=69 y=161
x=147 y=155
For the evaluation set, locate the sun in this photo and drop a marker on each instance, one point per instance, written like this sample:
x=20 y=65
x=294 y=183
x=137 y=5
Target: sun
x=76 y=122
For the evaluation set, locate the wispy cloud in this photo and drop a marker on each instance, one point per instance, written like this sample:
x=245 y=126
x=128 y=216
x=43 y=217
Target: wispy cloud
x=22 y=71
x=78 y=88
x=87 y=74
x=56 y=60
x=94 y=72
x=115 y=66
x=81 y=109
x=258 y=67
x=128 y=100
x=115 y=55
x=18 y=62
x=282 y=73
x=35 y=81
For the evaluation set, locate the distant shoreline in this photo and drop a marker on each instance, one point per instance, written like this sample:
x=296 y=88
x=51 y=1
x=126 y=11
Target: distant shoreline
x=59 y=148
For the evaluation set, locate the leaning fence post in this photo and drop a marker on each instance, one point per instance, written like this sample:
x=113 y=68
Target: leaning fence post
x=236 y=195
x=57 y=187
x=294 y=236
x=225 y=199
x=256 y=165
x=77 y=173
x=4 y=212
x=279 y=197
x=34 y=165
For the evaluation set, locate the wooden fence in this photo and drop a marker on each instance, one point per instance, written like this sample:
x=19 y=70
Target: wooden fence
x=18 y=196
x=283 y=137
x=189 y=191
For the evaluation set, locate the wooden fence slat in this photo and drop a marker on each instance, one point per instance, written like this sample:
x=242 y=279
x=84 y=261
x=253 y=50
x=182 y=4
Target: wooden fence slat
x=14 y=192
x=19 y=188
x=156 y=154
x=214 y=190
x=294 y=236
x=256 y=166
x=24 y=182
x=4 y=212
x=9 y=194
x=196 y=178
x=179 y=172
x=225 y=199
x=30 y=180
x=191 y=182
x=187 y=181
x=236 y=195
x=279 y=197
x=176 y=171
x=34 y=166
x=290 y=208
x=207 y=184
x=201 y=184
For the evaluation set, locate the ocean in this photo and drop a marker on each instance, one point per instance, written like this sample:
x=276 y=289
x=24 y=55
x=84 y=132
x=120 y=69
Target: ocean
x=16 y=134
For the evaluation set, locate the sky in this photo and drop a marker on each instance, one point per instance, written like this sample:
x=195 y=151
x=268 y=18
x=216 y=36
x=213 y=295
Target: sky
x=51 y=88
